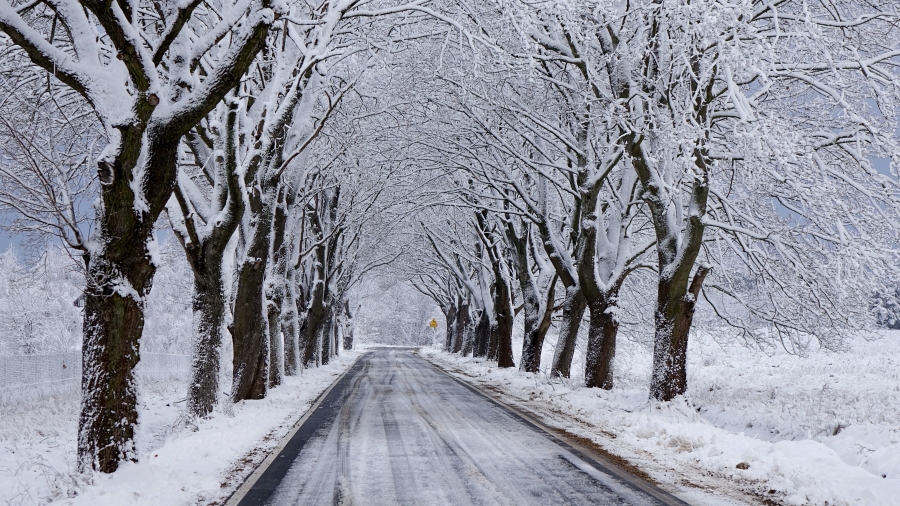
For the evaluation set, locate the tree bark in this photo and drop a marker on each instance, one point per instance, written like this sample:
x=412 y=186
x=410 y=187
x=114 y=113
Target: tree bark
x=504 y=325
x=462 y=324
x=249 y=330
x=537 y=323
x=348 y=327
x=316 y=311
x=275 y=288
x=601 y=348
x=276 y=343
x=291 y=323
x=208 y=315
x=674 y=316
x=326 y=337
x=449 y=317
x=536 y=332
x=481 y=335
x=493 y=342
x=289 y=331
x=113 y=322
x=205 y=256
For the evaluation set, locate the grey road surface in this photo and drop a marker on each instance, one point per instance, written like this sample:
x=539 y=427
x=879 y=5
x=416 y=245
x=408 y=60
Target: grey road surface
x=396 y=430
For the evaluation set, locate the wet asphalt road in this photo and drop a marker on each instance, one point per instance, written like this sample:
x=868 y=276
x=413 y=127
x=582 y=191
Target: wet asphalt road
x=396 y=430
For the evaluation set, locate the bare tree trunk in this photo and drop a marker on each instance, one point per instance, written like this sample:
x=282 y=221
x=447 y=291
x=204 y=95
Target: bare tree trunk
x=315 y=313
x=249 y=330
x=504 y=325
x=469 y=341
x=493 y=342
x=674 y=316
x=537 y=323
x=276 y=344
x=536 y=332
x=449 y=317
x=208 y=315
x=482 y=335
x=326 y=332
x=462 y=324
x=348 y=327
x=338 y=329
x=601 y=348
x=275 y=288
x=113 y=323
x=573 y=309
x=289 y=326
x=677 y=250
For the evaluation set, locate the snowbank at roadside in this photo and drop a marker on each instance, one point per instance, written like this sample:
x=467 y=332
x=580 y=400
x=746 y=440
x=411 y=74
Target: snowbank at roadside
x=777 y=428
x=179 y=463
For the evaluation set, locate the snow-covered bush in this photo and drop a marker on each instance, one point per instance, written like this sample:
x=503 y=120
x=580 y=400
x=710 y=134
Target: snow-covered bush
x=38 y=312
x=41 y=303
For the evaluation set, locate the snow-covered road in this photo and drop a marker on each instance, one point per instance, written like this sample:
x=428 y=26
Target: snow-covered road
x=396 y=430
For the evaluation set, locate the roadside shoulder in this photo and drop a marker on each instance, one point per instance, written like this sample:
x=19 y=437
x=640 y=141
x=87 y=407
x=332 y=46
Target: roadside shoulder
x=539 y=401
x=206 y=463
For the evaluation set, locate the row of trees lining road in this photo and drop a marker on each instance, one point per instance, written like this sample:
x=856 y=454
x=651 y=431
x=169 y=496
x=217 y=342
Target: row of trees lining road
x=735 y=153
x=631 y=162
x=206 y=113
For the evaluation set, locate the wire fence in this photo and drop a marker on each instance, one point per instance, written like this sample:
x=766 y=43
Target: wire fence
x=19 y=372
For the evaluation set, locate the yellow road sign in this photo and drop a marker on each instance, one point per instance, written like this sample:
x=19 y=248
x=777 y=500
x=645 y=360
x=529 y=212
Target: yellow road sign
x=433 y=323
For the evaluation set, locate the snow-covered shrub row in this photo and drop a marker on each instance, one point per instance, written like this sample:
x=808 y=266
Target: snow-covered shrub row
x=38 y=312
x=41 y=303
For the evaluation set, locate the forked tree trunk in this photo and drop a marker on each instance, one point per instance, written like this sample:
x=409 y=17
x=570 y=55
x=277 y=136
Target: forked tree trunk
x=141 y=156
x=573 y=309
x=120 y=274
x=205 y=256
x=537 y=323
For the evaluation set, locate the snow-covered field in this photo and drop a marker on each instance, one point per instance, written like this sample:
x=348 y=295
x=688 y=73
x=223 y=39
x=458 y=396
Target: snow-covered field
x=761 y=428
x=179 y=461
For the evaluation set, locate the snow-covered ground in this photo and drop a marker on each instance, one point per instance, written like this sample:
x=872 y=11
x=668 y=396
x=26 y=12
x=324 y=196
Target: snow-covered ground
x=762 y=428
x=180 y=462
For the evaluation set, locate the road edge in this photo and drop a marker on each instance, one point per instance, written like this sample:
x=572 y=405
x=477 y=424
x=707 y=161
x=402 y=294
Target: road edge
x=238 y=494
x=570 y=442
